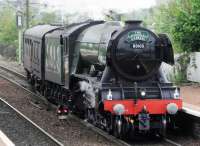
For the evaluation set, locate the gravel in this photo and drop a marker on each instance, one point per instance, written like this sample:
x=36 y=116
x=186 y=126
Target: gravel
x=20 y=131
x=69 y=132
x=13 y=65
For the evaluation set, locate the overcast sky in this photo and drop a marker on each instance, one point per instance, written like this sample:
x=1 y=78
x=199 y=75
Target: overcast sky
x=96 y=7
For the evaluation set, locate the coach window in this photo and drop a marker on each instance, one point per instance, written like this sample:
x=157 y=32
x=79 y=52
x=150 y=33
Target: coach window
x=47 y=52
x=38 y=46
x=58 y=57
x=35 y=46
x=33 y=51
x=36 y=51
x=51 y=51
x=66 y=45
x=31 y=45
x=26 y=47
x=28 y=44
x=55 y=50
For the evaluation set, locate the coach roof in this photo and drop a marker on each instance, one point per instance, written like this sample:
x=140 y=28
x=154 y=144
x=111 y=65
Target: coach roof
x=40 y=30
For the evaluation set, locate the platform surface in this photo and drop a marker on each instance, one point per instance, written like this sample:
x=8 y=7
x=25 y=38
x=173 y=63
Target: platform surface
x=191 y=99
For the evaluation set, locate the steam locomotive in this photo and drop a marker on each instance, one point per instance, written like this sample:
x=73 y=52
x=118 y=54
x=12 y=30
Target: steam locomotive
x=106 y=72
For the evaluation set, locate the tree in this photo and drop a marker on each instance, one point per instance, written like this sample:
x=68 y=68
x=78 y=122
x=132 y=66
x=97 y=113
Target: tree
x=112 y=15
x=180 y=19
x=187 y=29
x=8 y=29
x=49 y=17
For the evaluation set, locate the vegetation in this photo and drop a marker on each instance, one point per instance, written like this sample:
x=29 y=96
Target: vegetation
x=179 y=74
x=8 y=30
x=180 y=20
x=8 y=33
x=44 y=17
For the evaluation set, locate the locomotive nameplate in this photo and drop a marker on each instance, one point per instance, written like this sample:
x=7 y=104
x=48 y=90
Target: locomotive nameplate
x=138 y=35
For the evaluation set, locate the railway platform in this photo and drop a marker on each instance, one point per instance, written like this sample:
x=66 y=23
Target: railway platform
x=191 y=99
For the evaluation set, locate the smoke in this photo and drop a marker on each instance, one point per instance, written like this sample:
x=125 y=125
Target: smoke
x=89 y=93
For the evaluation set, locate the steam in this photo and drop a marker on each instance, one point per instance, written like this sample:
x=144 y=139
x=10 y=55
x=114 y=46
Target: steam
x=89 y=93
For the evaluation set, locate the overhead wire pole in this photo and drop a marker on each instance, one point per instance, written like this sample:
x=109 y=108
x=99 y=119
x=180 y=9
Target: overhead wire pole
x=19 y=15
x=27 y=13
x=19 y=22
x=20 y=29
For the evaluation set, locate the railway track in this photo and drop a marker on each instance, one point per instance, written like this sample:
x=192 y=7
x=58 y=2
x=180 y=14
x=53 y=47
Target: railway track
x=15 y=78
x=11 y=77
x=13 y=72
x=21 y=130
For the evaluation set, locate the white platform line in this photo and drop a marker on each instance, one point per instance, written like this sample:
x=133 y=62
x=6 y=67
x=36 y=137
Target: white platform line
x=191 y=109
x=4 y=140
x=191 y=112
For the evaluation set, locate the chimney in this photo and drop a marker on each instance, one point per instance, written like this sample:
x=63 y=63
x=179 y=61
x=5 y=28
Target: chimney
x=133 y=23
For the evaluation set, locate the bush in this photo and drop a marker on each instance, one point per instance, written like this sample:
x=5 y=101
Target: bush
x=8 y=51
x=8 y=33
